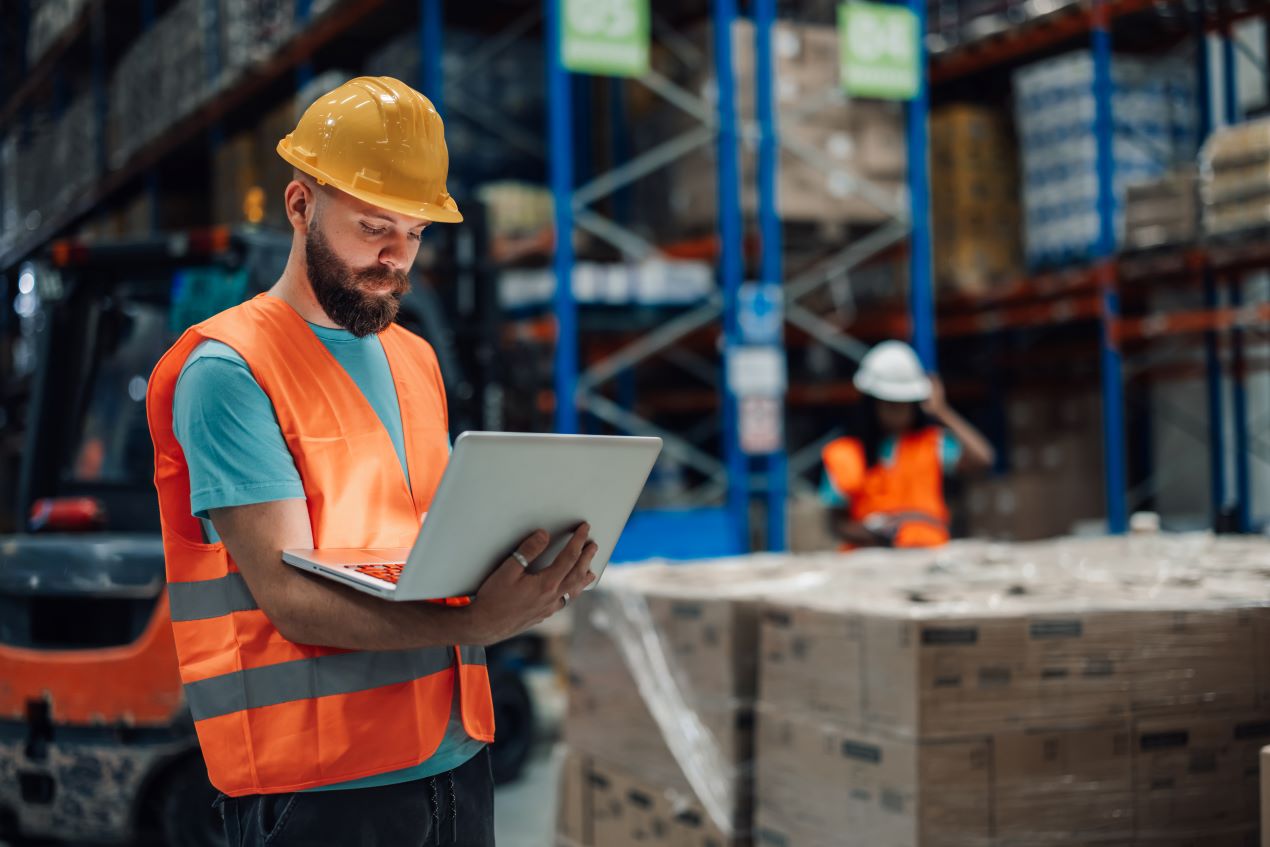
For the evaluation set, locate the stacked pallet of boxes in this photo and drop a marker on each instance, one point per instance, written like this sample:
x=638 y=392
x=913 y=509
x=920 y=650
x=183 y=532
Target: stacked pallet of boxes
x=1096 y=693
x=974 y=199
x=1054 y=483
x=1235 y=167
x=1092 y=692
x=662 y=680
x=1153 y=129
x=53 y=165
x=841 y=161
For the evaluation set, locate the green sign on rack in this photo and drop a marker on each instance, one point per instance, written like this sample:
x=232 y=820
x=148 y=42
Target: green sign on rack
x=605 y=37
x=879 y=50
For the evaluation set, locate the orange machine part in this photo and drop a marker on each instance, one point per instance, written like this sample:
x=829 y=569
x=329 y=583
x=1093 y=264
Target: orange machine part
x=136 y=684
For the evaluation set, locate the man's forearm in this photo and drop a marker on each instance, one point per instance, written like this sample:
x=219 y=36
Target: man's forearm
x=313 y=610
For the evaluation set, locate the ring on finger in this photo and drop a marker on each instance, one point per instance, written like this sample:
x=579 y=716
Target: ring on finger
x=519 y=557
x=564 y=600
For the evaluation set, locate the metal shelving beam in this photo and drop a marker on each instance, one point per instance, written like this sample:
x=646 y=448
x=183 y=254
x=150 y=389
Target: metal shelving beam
x=771 y=270
x=431 y=34
x=560 y=169
x=921 y=298
x=1112 y=376
x=731 y=260
x=1239 y=391
x=1212 y=348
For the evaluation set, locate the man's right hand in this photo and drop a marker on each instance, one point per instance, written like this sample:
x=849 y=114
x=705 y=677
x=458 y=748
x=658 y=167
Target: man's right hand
x=512 y=599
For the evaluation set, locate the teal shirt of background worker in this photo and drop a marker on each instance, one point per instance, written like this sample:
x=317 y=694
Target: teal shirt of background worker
x=949 y=455
x=237 y=456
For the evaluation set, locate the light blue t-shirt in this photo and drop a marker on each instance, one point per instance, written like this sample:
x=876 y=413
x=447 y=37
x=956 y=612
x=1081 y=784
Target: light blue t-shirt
x=949 y=456
x=237 y=455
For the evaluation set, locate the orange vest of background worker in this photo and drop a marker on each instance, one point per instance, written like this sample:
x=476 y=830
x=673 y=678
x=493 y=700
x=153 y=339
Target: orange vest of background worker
x=885 y=487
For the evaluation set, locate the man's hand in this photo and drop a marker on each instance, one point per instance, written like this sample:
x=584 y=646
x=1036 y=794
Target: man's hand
x=513 y=599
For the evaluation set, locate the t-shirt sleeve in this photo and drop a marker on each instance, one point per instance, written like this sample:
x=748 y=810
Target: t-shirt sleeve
x=830 y=495
x=226 y=426
x=950 y=451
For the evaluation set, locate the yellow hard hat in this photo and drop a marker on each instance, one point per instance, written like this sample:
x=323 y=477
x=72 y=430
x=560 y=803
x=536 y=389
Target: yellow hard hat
x=381 y=141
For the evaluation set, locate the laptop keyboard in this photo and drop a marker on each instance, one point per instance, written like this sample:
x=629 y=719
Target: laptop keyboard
x=388 y=571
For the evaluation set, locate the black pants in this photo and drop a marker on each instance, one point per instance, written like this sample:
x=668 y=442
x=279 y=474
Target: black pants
x=455 y=809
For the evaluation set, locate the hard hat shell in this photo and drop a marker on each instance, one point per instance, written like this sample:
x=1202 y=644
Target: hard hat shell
x=379 y=140
x=891 y=371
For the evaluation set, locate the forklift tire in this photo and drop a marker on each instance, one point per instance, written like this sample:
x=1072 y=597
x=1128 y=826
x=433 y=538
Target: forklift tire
x=186 y=815
x=514 y=724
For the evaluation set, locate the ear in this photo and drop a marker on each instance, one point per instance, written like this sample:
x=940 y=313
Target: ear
x=301 y=205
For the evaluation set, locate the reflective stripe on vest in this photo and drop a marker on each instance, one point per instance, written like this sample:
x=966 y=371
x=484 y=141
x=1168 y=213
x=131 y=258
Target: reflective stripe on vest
x=210 y=598
x=272 y=715
x=321 y=676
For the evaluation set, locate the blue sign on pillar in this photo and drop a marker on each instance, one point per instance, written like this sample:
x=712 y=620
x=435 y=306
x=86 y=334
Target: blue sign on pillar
x=756 y=368
x=761 y=312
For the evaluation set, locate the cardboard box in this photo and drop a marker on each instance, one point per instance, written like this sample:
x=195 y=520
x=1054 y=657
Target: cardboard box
x=1197 y=773
x=822 y=784
x=630 y=812
x=812 y=660
x=573 y=818
x=678 y=642
x=1185 y=661
x=946 y=676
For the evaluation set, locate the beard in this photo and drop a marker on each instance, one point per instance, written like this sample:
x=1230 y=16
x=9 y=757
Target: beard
x=342 y=291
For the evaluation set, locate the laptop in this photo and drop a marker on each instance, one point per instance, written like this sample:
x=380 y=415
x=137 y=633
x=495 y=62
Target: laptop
x=497 y=489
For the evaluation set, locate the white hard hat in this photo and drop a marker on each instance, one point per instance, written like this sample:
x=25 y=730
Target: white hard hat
x=891 y=371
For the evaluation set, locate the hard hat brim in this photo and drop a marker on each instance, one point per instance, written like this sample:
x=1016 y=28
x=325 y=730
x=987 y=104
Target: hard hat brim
x=907 y=391
x=432 y=212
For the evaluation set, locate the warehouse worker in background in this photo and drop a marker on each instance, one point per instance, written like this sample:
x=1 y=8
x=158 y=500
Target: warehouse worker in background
x=307 y=418
x=885 y=484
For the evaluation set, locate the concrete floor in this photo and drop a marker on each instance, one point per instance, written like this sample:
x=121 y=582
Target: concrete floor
x=525 y=811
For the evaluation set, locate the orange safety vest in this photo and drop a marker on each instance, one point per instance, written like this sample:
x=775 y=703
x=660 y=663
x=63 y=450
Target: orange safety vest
x=913 y=485
x=271 y=715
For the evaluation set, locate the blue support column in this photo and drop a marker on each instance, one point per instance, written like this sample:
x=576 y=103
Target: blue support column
x=1112 y=384
x=431 y=30
x=921 y=290
x=1239 y=391
x=1213 y=378
x=777 y=464
x=303 y=71
x=730 y=267
x=1239 y=411
x=560 y=132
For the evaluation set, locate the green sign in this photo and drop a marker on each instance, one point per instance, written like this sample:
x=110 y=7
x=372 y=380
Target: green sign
x=605 y=37
x=880 y=50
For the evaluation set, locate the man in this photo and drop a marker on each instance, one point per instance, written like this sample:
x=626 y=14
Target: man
x=307 y=418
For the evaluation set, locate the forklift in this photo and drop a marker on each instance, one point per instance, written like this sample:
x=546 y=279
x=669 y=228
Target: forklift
x=96 y=742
